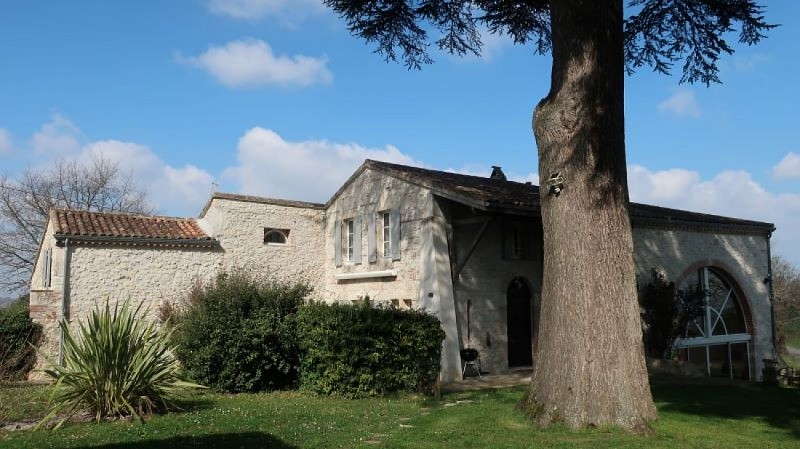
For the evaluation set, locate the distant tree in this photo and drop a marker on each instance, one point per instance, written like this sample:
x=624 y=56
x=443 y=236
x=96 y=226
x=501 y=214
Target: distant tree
x=786 y=297
x=592 y=371
x=25 y=205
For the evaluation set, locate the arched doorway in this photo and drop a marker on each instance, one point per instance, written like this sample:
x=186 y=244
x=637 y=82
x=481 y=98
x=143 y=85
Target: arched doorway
x=520 y=323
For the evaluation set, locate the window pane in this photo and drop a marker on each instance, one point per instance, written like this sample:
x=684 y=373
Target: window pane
x=720 y=366
x=740 y=361
x=387 y=234
x=697 y=357
x=350 y=237
x=733 y=316
x=275 y=236
x=723 y=299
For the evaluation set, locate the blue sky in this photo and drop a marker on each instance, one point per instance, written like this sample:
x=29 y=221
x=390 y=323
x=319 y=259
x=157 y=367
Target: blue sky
x=275 y=98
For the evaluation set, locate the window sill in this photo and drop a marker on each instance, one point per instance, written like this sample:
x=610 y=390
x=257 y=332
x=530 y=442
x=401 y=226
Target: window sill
x=366 y=275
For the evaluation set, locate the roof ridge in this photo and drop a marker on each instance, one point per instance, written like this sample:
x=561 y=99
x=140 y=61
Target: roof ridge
x=246 y=197
x=121 y=214
x=372 y=163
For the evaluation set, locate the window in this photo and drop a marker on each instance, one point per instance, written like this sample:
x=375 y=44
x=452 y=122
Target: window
x=716 y=340
x=386 y=234
x=349 y=239
x=520 y=240
x=276 y=236
x=47 y=266
x=347 y=236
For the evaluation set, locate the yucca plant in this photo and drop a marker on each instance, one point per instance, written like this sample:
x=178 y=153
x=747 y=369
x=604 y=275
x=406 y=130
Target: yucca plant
x=121 y=365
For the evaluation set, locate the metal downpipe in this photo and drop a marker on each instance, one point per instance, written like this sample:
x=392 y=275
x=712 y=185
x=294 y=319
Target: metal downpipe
x=62 y=313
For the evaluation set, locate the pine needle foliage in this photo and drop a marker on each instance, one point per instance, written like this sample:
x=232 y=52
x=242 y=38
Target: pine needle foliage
x=119 y=365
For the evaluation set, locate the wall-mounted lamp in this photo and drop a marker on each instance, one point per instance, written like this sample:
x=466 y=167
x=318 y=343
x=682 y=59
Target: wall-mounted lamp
x=768 y=279
x=555 y=184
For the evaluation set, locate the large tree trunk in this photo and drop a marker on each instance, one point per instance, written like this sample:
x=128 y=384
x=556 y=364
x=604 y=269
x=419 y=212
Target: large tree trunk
x=590 y=368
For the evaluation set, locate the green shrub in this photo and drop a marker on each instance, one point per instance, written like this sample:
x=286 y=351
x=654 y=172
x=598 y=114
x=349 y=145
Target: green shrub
x=119 y=364
x=238 y=333
x=358 y=350
x=19 y=336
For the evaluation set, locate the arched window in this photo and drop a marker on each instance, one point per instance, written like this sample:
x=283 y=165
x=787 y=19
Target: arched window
x=716 y=339
x=276 y=236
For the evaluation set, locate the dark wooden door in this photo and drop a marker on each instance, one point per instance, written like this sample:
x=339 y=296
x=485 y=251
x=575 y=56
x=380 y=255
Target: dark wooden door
x=520 y=347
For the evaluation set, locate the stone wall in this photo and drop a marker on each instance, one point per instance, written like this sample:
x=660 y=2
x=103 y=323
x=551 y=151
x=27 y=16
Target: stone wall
x=679 y=253
x=144 y=275
x=239 y=226
x=45 y=301
x=483 y=284
x=367 y=194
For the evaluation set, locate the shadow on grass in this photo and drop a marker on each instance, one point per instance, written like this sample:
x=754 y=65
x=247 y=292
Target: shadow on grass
x=779 y=407
x=192 y=404
x=244 y=440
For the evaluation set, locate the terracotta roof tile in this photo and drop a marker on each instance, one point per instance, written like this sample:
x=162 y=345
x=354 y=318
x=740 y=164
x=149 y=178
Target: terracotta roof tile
x=75 y=223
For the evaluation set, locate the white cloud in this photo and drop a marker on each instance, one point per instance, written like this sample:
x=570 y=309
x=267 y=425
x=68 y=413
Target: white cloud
x=251 y=62
x=132 y=156
x=288 y=10
x=682 y=104
x=57 y=138
x=310 y=170
x=6 y=145
x=729 y=193
x=787 y=168
x=188 y=185
x=746 y=63
x=174 y=190
x=492 y=46
x=662 y=187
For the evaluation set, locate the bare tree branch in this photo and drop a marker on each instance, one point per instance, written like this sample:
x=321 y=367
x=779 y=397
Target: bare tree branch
x=25 y=203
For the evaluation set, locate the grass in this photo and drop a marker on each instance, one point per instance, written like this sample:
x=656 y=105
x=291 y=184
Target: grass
x=793 y=340
x=690 y=416
x=792 y=331
x=793 y=362
x=19 y=401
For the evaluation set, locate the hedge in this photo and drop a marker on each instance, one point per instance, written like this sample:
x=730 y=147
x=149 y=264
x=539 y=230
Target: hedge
x=238 y=333
x=19 y=336
x=359 y=350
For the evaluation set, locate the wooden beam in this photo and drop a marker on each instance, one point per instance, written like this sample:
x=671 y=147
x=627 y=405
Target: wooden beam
x=475 y=241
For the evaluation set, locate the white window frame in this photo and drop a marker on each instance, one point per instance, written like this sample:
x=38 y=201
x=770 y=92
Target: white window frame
x=47 y=268
x=283 y=232
x=348 y=233
x=710 y=323
x=386 y=234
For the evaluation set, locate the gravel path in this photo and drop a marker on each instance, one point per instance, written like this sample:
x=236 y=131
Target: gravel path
x=794 y=352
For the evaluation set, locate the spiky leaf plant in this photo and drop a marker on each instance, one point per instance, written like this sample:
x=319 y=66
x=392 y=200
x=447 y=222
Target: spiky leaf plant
x=121 y=365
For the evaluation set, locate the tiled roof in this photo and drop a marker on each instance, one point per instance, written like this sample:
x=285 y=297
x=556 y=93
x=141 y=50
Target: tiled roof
x=106 y=226
x=485 y=191
x=498 y=195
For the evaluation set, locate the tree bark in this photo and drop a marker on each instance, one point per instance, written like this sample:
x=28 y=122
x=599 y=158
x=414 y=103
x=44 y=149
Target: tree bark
x=590 y=368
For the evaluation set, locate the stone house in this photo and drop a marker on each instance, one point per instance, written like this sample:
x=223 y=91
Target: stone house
x=465 y=248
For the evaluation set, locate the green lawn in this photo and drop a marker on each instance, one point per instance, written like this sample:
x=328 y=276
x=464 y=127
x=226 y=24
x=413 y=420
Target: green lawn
x=746 y=416
x=793 y=334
